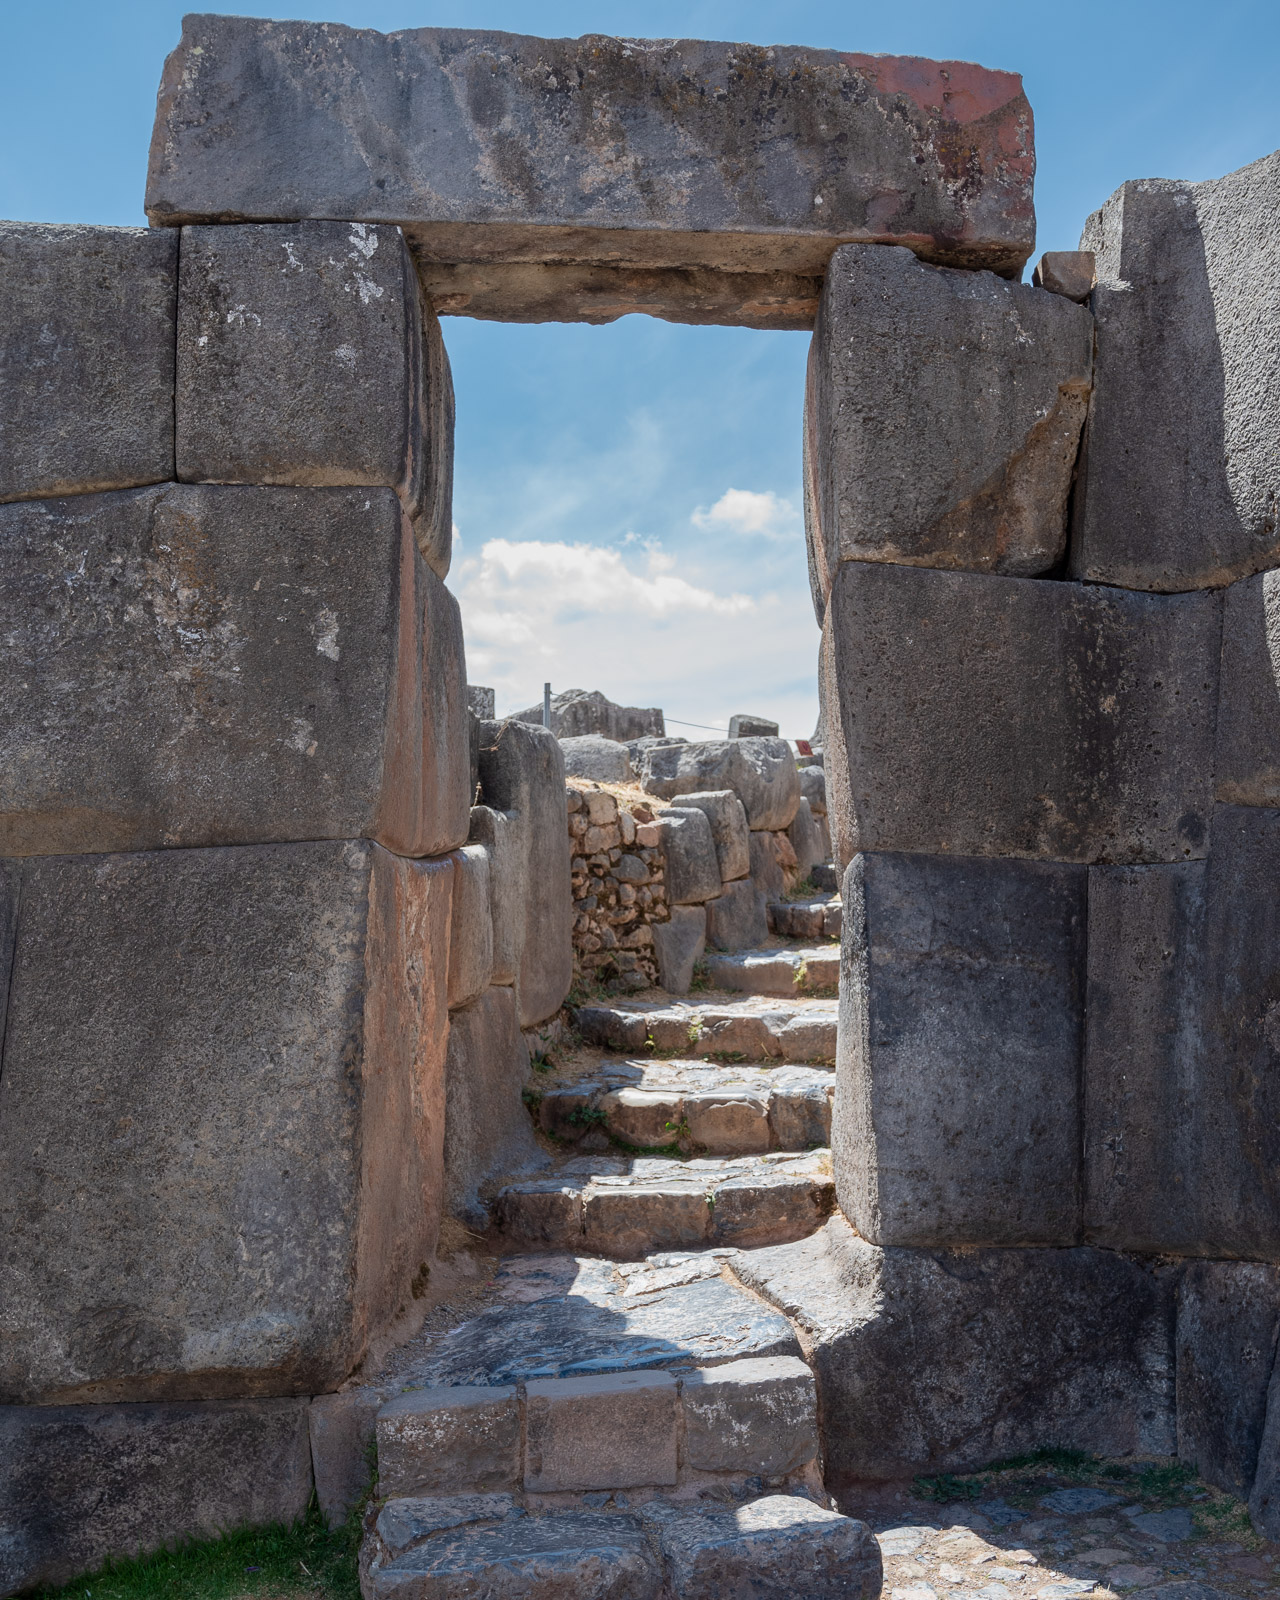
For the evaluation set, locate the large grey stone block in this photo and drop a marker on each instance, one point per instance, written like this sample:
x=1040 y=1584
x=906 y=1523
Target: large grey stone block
x=578 y=713
x=470 y=926
x=1181 y=469
x=616 y=1430
x=1000 y=716
x=592 y=756
x=813 y=786
x=774 y=1548
x=728 y=822
x=619 y=163
x=221 y=1118
x=1247 y=757
x=736 y=918
x=441 y=1440
x=755 y=1416
x=1264 y=1500
x=226 y=666
x=86 y=364
x=522 y=773
x=942 y=1361
x=806 y=839
x=1228 y=1323
x=760 y=771
x=80 y=1485
x=342 y=1431
x=689 y=852
x=956 y=1118
x=499 y=833
x=303 y=358
x=487 y=1133
x=943 y=414
x=1181 y=1090
x=679 y=944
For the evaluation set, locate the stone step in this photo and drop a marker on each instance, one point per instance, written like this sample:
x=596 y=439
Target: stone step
x=806 y=919
x=624 y=1208
x=803 y=1030
x=771 y=1548
x=713 y=1109
x=815 y=970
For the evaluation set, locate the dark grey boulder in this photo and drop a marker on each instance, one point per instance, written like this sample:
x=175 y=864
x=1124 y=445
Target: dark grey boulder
x=577 y=713
x=1228 y=1324
x=621 y=166
x=1001 y=716
x=221 y=1118
x=805 y=836
x=813 y=786
x=761 y=772
x=487 y=1132
x=81 y=1485
x=86 y=369
x=737 y=918
x=743 y=726
x=522 y=773
x=933 y=1361
x=1181 y=469
x=689 y=851
x=956 y=1118
x=943 y=417
x=592 y=756
x=227 y=666
x=306 y=355
x=678 y=944
x=728 y=821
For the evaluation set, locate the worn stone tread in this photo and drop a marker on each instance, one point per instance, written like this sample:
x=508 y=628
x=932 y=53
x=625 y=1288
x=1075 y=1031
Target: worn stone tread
x=755 y=1028
x=781 y=972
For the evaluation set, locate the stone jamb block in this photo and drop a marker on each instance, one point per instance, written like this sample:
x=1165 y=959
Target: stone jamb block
x=957 y=1108
x=943 y=417
x=307 y=356
x=1246 y=767
x=434 y=1441
x=471 y=927
x=221 y=1118
x=229 y=666
x=692 y=874
x=81 y=1485
x=737 y=918
x=994 y=716
x=87 y=365
x=342 y=1427
x=614 y=1431
x=679 y=944
x=728 y=828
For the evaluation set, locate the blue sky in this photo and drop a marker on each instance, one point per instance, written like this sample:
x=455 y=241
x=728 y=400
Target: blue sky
x=627 y=497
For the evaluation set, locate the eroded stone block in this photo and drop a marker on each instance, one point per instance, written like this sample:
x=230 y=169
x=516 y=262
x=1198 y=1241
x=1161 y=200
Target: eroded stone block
x=86 y=368
x=433 y=1441
x=761 y=772
x=522 y=773
x=1247 y=757
x=1181 y=467
x=751 y=1416
x=841 y=146
x=80 y=1485
x=736 y=918
x=487 y=1132
x=806 y=839
x=678 y=944
x=1000 y=716
x=342 y=1428
x=942 y=1361
x=728 y=821
x=944 y=412
x=956 y=1117
x=1228 y=1323
x=616 y=1431
x=221 y=1118
x=689 y=849
x=227 y=666
x=471 y=926
x=306 y=355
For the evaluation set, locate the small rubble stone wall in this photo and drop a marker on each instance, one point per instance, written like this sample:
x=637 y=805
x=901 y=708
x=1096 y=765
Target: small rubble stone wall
x=619 y=892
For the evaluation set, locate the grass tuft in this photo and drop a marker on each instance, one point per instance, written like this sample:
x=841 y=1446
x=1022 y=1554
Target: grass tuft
x=272 y=1563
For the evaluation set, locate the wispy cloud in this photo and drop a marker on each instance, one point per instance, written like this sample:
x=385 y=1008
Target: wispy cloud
x=745 y=511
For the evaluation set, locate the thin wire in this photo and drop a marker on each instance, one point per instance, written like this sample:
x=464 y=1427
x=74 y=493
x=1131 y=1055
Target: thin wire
x=680 y=724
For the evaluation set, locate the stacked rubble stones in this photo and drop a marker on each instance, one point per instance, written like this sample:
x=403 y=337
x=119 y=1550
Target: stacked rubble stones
x=619 y=893
x=238 y=906
x=1051 y=750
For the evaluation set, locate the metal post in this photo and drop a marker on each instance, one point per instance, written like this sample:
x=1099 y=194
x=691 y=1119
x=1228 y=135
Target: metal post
x=546 y=705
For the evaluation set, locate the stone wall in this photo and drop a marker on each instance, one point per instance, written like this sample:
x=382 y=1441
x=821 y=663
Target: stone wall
x=619 y=892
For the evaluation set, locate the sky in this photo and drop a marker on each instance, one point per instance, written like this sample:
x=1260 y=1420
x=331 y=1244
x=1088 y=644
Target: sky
x=627 y=498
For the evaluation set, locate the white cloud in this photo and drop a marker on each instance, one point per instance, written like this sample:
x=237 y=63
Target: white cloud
x=745 y=511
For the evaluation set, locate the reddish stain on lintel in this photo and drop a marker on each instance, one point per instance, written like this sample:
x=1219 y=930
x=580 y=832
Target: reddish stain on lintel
x=960 y=91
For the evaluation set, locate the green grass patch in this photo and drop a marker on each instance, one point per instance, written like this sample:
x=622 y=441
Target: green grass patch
x=305 y=1559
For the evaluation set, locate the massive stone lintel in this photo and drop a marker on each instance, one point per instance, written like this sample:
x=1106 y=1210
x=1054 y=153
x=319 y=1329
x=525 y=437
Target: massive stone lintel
x=958 y=1071
x=976 y=715
x=305 y=356
x=1181 y=1105
x=1181 y=471
x=672 y=158
x=198 y=664
x=944 y=1361
x=943 y=414
x=86 y=362
x=80 y=1485
x=221 y=1118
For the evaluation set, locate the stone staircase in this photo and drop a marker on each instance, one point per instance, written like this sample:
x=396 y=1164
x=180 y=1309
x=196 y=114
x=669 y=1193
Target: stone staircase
x=622 y=1418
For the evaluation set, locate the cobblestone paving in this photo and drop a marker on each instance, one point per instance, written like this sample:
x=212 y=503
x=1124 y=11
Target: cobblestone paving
x=1049 y=1540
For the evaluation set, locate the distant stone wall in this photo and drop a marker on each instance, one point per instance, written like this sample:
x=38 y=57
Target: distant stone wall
x=619 y=889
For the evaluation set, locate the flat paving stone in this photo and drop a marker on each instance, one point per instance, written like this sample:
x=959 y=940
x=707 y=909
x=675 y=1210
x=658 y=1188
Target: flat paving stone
x=562 y=1317
x=756 y=1027
x=780 y=972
